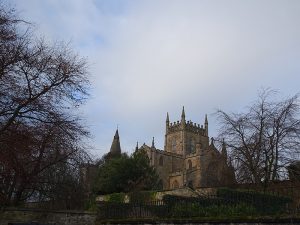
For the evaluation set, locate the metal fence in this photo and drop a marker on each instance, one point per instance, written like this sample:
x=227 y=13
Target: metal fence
x=210 y=206
x=110 y=210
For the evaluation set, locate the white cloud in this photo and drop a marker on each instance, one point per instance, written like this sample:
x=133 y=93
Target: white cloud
x=155 y=56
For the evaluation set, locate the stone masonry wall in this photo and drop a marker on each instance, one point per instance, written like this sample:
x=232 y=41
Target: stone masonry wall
x=210 y=223
x=46 y=217
x=86 y=218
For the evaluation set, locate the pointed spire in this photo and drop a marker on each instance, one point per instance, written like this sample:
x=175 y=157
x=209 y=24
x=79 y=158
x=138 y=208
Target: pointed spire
x=153 y=145
x=212 y=141
x=137 y=146
x=115 y=146
x=167 y=129
x=117 y=134
x=183 y=114
x=183 y=117
x=206 y=125
x=167 y=123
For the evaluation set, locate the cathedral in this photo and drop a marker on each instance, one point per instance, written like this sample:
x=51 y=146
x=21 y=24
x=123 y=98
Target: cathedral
x=188 y=158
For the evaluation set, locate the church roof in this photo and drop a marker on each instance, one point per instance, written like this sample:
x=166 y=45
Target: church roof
x=213 y=147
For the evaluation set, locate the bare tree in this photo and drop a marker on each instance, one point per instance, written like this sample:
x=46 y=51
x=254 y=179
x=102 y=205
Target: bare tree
x=41 y=86
x=264 y=139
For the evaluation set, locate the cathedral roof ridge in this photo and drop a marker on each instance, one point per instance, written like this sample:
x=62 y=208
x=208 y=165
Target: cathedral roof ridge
x=158 y=150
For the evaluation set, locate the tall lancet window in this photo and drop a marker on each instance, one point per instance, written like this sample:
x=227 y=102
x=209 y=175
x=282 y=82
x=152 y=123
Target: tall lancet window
x=161 y=161
x=191 y=146
x=173 y=144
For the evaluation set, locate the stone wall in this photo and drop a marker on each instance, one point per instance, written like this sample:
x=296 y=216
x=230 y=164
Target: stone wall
x=46 y=217
x=210 y=223
x=184 y=192
x=86 y=218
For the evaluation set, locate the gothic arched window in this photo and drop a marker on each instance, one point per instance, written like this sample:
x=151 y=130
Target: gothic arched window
x=190 y=165
x=161 y=161
x=160 y=185
x=175 y=184
x=191 y=148
x=174 y=144
x=190 y=184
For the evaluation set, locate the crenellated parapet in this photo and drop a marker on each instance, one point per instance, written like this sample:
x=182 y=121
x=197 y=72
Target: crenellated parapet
x=174 y=127
x=187 y=126
x=195 y=128
x=184 y=125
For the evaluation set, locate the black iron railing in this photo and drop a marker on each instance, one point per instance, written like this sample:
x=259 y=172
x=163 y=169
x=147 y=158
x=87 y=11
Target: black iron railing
x=223 y=205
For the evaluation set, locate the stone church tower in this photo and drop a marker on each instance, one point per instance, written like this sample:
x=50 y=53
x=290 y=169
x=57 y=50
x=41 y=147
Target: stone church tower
x=185 y=137
x=188 y=159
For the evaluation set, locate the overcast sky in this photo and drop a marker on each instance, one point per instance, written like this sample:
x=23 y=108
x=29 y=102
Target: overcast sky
x=151 y=57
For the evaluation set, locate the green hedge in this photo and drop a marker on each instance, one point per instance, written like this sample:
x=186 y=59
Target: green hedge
x=264 y=203
x=203 y=201
x=227 y=202
x=198 y=210
x=117 y=197
x=142 y=196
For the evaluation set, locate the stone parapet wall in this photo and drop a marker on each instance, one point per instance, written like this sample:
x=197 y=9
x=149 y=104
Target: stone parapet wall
x=206 y=191
x=262 y=221
x=47 y=217
x=157 y=195
x=209 y=223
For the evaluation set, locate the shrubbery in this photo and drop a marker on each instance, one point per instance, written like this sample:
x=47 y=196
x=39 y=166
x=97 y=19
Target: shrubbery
x=142 y=196
x=264 y=203
x=227 y=203
x=213 y=210
x=126 y=174
x=117 y=197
